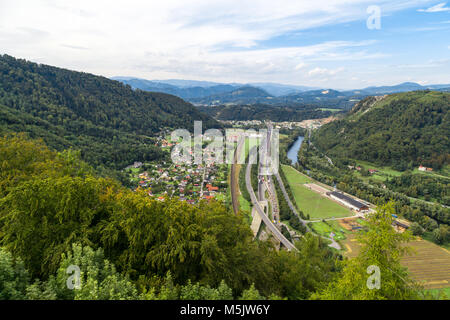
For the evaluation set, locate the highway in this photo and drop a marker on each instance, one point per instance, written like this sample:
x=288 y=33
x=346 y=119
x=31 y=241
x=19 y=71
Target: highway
x=288 y=200
x=277 y=233
x=263 y=216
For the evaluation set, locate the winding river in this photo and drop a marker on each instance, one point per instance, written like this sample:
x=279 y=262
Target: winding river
x=292 y=153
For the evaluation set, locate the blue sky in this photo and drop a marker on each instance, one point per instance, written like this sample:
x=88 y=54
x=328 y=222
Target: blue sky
x=315 y=43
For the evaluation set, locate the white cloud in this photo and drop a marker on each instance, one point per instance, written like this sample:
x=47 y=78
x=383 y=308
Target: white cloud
x=200 y=39
x=301 y=65
x=324 y=71
x=441 y=7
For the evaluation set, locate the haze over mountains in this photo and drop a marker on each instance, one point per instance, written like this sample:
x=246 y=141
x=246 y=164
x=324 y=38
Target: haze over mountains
x=213 y=93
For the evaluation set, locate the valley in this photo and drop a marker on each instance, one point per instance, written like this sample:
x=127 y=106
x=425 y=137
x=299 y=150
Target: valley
x=339 y=175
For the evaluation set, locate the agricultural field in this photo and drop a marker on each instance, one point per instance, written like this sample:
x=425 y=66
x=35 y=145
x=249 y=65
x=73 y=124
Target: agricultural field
x=429 y=264
x=311 y=202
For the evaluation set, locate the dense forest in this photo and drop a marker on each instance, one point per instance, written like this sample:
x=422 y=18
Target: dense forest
x=398 y=130
x=292 y=112
x=57 y=215
x=112 y=124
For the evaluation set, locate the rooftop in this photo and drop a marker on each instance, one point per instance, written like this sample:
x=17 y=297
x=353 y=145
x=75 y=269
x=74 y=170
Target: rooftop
x=347 y=199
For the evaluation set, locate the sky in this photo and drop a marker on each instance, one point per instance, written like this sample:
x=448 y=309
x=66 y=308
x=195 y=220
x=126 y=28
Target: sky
x=339 y=44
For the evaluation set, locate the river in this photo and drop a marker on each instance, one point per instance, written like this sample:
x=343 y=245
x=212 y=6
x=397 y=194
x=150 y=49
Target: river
x=292 y=153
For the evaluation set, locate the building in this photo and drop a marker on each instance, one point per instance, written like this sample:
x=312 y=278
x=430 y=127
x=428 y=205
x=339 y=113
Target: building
x=347 y=201
x=422 y=168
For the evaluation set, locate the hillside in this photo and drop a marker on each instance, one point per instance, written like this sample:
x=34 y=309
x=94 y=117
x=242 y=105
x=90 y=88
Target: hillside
x=110 y=123
x=240 y=95
x=396 y=130
x=265 y=112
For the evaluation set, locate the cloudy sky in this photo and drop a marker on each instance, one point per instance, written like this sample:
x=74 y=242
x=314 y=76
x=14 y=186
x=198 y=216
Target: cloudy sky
x=329 y=44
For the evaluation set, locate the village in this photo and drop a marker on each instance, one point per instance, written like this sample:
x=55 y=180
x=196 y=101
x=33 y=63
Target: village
x=189 y=182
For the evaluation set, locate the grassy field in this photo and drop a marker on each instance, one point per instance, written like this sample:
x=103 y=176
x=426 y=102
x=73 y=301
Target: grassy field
x=382 y=174
x=385 y=172
x=330 y=109
x=294 y=176
x=311 y=202
x=244 y=204
x=429 y=264
x=325 y=228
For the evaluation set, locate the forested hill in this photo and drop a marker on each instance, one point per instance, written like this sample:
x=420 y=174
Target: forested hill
x=108 y=121
x=395 y=130
x=293 y=112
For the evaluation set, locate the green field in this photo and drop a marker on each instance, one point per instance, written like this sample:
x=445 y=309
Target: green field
x=385 y=172
x=244 y=205
x=325 y=228
x=330 y=109
x=311 y=202
x=294 y=176
x=382 y=170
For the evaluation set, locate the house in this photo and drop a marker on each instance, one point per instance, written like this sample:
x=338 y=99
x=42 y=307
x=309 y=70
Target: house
x=372 y=171
x=422 y=168
x=211 y=188
x=347 y=201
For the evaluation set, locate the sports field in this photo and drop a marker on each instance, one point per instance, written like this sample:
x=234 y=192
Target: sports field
x=311 y=202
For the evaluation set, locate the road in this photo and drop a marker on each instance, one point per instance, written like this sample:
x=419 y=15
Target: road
x=263 y=216
x=277 y=233
x=288 y=200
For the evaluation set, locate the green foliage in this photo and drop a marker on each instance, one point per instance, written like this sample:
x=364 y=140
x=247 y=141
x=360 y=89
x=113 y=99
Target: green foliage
x=400 y=128
x=13 y=277
x=99 y=279
x=416 y=229
x=152 y=249
x=277 y=113
x=383 y=247
x=251 y=294
x=54 y=212
x=427 y=215
x=197 y=292
x=304 y=272
x=109 y=122
x=422 y=186
x=441 y=235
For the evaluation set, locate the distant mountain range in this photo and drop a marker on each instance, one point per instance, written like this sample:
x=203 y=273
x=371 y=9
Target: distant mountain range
x=213 y=93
